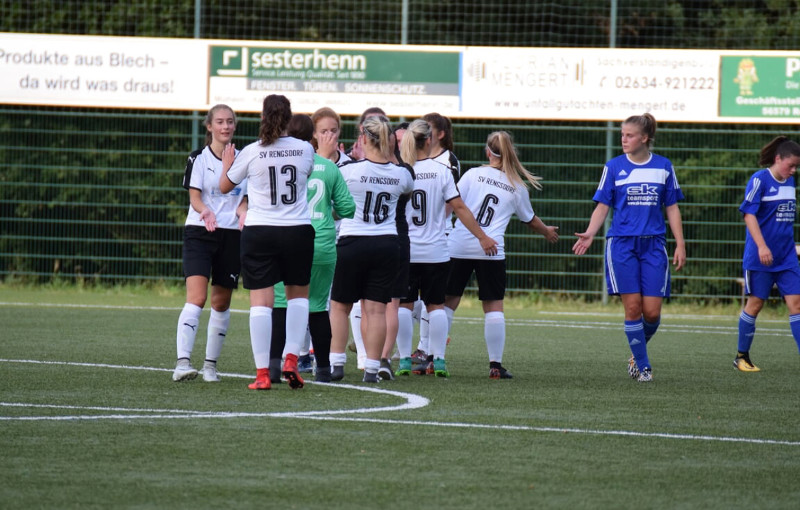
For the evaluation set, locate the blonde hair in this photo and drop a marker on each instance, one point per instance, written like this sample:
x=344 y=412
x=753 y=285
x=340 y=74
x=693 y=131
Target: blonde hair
x=414 y=139
x=501 y=146
x=378 y=133
x=647 y=125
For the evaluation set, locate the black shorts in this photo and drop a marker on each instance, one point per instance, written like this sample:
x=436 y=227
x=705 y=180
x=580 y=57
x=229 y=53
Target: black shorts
x=400 y=287
x=429 y=282
x=276 y=254
x=212 y=254
x=491 y=276
x=366 y=268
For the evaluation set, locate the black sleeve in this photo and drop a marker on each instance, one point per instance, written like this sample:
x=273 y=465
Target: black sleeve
x=455 y=166
x=187 y=173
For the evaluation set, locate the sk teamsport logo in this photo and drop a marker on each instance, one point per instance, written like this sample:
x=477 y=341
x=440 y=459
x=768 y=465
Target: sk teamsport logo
x=642 y=194
x=643 y=189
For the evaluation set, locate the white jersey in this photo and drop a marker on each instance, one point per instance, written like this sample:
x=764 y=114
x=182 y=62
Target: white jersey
x=375 y=187
x=277 y=177
x=343 y=158
x=490 y=196
x=433 y=188
x=203 y=170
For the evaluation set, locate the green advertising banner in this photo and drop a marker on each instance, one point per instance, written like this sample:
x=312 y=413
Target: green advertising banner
x=758 y=86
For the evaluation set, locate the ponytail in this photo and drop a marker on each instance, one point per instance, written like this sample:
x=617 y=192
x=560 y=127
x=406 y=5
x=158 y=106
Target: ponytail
x=378 y=133
x=275 y=117
x=779 y=146
x=647 y=125
x=417 y=134
x=501 y=146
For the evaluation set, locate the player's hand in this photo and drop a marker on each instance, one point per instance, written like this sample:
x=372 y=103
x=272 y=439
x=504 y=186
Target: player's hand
x=679 y=258
x=551 y=234
x=228 y=155
x=242 y=217
x=209 y=219
x=583 y=243
x=765 y=256
x=326 y=144
x=489 y=245
x=357 y=152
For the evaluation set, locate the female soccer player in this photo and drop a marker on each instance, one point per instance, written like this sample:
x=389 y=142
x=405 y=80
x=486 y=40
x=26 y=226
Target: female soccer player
x=327 y=192
x=367 y=251
x=434 y=189
x=638 y=185
x=210 y=246
x=492 y=193
x=277 y=239
x=327 y=128
x=770 y=256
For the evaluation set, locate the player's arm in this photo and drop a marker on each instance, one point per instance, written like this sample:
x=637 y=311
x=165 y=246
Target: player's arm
x=676 y=226
x=764 y=253
x=241 y=212
x=550 y=233
x=343 y=204
x=595 y=222
x=463 y=213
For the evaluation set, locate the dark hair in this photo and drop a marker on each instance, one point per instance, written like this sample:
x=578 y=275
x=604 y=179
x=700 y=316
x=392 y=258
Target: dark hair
x=442 y=124
x=402 y=125
x=779 y=146
x=274 y=118
x=647 y=125
x=210 y=118
x=373 y=110
x=301 y=127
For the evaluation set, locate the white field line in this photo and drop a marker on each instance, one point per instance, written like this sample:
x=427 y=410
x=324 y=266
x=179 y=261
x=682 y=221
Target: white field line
x=412 y=402
x=604 y=325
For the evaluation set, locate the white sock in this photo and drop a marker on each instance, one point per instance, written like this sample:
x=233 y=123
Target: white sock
x=187 y=329
x=405 y=331
x=494 y=329
x=217 y=330
x=296 y=325
x=261 y=334
x=337 y=359
x=450 y=313
x=355 y=326
x=306 y=347
x=372 y=365
x=438 y=341
x=424 y=331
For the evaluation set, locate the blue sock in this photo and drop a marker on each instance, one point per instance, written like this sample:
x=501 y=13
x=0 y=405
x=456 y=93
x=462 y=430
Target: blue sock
x=650 y=329
x=634 y=330
x=747 y=330
x=794 y=323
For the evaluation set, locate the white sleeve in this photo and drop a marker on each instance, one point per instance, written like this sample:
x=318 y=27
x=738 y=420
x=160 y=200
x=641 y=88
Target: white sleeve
x=238 y=170
x=198 y=172
x=523 y=207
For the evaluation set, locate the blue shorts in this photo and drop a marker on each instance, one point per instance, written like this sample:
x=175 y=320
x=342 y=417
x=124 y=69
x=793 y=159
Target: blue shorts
x=759 y=283
x=637 y=265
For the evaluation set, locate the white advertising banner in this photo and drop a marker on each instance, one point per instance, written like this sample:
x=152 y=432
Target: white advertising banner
x=595 y=84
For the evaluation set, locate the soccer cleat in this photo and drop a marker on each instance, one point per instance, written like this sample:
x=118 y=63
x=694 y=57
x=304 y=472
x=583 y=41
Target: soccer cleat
x=262 y=380
x=742 y=363
x=419 y=356
x=424 y=368
x=440 y=368
x=323 y=374
x=645 y=375
x=498 y=372
x=210 y=372
x=337 y=372
x=370 y=377
x=385 y=371
x=633 y=370
x=305 y=364
x=290 y=372
x=183 y=371
x=404 y=368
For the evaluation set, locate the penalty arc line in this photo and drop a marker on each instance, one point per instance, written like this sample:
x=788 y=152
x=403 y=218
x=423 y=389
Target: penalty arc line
x=412 y=402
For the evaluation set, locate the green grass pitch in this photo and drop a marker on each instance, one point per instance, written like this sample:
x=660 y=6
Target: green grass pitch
x=90 y=418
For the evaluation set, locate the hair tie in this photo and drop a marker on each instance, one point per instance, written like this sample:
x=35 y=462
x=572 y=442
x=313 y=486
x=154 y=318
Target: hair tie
x=493 y=153
x=370 y=134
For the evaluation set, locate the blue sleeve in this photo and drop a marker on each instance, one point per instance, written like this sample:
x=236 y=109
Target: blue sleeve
x=752 y=196
x=606 y=188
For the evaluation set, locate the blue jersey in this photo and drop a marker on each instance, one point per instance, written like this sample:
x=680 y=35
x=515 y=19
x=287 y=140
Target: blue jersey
x=638 y=192
x=773 y=204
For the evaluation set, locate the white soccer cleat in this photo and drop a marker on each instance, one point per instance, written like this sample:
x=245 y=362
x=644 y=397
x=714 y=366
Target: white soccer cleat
x=183 y=371
x=210 y=372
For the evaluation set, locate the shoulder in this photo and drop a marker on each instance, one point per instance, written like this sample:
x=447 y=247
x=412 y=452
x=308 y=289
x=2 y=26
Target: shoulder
x=193 y=157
